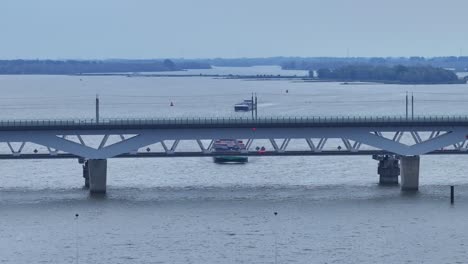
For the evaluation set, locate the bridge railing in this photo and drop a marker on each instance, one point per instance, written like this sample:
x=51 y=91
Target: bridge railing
x=234 y=121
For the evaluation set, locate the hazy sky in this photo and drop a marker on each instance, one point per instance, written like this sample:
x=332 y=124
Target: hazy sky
x=236 y=28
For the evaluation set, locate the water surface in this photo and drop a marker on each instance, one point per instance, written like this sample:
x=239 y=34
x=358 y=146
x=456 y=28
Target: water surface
x=190 y=210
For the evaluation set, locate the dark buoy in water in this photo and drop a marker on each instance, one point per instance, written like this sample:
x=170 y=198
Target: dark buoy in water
x=76 y=215
x=172 y=104
x=276 y=213
x=287 y=91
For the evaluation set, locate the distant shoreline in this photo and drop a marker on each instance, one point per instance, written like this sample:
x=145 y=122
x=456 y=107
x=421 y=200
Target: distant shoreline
x=391 y=74
x=72 y=67
x=241 y=77
x=350 y=74
x=268 y=78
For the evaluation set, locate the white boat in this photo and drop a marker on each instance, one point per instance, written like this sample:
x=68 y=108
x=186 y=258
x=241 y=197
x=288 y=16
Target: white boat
x=246 y=105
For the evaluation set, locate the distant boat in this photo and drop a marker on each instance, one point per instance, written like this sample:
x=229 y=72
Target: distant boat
x=229 y=146
x=246 y=105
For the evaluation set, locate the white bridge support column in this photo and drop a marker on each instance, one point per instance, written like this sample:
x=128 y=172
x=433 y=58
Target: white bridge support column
x=97 y=175
x=409 y=173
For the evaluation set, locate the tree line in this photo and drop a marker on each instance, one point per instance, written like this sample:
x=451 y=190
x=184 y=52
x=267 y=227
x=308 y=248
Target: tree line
x=313 y=63
x=395 y=74
x=451 y=62
x=94 y=66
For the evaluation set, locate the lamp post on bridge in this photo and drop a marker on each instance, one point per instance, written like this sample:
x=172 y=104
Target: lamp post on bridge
x=254 y=106
x=97 y=108
x=406 y=105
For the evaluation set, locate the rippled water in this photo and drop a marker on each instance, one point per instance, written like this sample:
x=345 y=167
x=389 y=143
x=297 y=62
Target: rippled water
x=190 y=210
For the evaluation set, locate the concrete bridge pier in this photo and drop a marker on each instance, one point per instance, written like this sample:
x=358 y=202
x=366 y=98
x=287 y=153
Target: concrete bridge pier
x=409 y=173
x=97 y=171
x=388 y=169
x=86 y=174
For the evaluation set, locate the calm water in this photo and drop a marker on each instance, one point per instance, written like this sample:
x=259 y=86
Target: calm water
x=189 y=210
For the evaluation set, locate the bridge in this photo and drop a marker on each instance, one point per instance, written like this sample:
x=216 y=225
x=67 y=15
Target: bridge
x=390 y=140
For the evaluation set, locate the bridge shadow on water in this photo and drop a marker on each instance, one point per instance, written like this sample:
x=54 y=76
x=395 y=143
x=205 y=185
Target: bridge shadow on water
x=236 y=193
x=97 y=196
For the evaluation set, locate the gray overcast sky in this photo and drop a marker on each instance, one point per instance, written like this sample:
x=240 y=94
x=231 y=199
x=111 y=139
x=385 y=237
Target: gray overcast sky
x=85 y=29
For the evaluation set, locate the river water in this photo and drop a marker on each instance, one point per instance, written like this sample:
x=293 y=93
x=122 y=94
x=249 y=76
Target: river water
x=190 y=210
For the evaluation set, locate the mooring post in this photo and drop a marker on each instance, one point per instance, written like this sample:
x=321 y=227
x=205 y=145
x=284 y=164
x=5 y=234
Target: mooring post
x=452 y=196
x=276 y=240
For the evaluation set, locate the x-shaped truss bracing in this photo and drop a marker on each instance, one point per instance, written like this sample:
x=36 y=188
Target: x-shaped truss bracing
x=411 y=141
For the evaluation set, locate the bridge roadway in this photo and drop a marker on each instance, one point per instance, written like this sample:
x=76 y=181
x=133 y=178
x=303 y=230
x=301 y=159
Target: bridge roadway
x=400 y=137
x=268 y=122
x=137 y=133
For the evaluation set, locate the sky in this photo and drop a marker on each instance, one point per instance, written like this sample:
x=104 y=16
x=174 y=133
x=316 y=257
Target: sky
x=102 y=29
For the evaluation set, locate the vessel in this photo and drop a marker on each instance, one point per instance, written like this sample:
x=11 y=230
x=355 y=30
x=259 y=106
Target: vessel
x=224 y=146
x=246 y=105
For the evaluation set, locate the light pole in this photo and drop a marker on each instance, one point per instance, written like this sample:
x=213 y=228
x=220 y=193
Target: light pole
x=97 y=109
x=406 y=105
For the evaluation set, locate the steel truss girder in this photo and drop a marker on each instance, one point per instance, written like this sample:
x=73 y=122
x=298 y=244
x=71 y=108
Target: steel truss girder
x=372 y=136
x=211 y=154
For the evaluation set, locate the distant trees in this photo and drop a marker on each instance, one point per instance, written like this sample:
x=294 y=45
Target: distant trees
x=396 y=74
x=324 y=74
x=89 y=66
x=169 y=64
x=456 y=63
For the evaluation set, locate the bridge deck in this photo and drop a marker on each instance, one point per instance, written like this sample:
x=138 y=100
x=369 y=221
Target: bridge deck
x=399 y=135
x=272 y=122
